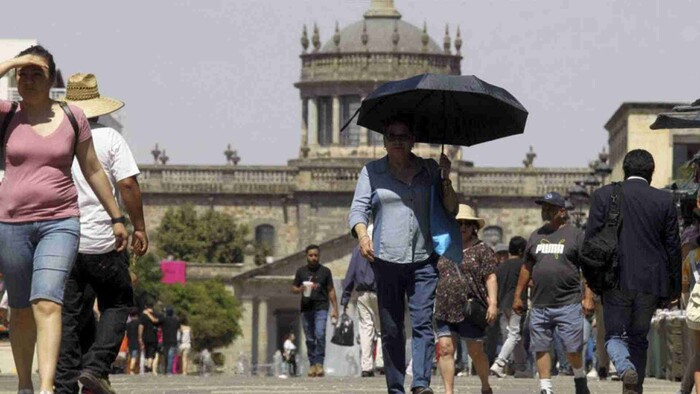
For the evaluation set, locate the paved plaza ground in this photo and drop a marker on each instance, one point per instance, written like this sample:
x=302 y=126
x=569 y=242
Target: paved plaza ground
x=224 y=384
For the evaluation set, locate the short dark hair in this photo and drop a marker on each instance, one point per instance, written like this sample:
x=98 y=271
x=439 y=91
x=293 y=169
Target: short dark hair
x=517 y=245
x=311 y=247
x=38 y=50
x=638 y=162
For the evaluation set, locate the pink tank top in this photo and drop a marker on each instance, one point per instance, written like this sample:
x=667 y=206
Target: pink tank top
x=38 y=185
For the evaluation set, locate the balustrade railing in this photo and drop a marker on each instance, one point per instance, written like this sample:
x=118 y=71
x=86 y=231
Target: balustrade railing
x=343 y=178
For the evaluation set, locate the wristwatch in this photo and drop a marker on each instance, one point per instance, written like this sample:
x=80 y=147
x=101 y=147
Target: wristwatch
x=120 y=219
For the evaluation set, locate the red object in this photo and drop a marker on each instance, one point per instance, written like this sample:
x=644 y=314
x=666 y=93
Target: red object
x=173 y=271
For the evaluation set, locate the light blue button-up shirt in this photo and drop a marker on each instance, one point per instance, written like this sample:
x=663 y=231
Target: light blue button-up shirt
x=401 y=212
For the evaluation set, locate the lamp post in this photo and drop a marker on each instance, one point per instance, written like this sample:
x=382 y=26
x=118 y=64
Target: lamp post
x=584 y=189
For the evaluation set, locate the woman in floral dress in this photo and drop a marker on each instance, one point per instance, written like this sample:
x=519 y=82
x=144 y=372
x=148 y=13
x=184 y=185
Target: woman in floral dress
x=473 y=279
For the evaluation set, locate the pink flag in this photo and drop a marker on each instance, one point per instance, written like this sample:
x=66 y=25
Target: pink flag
x=173 y=271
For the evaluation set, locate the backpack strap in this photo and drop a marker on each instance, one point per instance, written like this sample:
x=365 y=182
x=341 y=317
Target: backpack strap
x=616 y=199
x=3 y=129
x=73 y=123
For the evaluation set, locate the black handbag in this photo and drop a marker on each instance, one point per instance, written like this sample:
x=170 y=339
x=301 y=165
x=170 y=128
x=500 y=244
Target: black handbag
x=474 y=310
x=344 y=333
x=599 y=257
x=475 y=313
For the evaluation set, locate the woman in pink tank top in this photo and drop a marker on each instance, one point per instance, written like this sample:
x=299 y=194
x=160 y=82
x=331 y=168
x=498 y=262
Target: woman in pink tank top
x=39 y=217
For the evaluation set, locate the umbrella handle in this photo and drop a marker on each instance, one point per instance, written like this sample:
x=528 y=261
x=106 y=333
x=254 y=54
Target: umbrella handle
x=442 y=152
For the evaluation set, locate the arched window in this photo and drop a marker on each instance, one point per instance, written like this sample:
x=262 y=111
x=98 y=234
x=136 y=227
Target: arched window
x=265 y=235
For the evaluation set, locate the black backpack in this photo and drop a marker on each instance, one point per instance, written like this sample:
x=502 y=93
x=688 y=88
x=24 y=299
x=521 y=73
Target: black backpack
x=599 y=258
x=8 y=118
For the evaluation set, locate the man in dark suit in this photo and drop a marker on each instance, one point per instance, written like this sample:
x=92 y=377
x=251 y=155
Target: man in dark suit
x=649 y=264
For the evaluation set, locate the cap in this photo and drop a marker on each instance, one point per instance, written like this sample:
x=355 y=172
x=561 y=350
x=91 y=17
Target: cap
x=552 y=198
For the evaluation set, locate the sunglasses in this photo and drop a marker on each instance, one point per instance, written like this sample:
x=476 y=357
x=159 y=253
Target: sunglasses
x=398 y=137
x=466 y=223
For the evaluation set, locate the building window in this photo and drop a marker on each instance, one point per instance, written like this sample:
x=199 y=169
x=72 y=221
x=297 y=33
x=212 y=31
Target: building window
x=351 y=135
x=265 y=237
x=325 y=120
x=682 y=152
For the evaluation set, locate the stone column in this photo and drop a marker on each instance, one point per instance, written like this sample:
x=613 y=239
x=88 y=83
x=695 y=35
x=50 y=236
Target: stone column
x=304 y=122
x=336 y=120
x=262 y=332
x=312 y=122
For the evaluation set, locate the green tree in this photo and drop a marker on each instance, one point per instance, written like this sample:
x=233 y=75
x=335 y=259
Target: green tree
x=211 y=310
x=211 y=237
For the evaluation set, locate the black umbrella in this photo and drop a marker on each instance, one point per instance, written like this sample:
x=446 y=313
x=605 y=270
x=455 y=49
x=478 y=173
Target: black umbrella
x=682 y=117
x=446 y=109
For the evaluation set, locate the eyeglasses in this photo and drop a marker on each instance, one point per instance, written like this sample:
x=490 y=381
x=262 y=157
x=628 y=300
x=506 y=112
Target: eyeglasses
x=398 y=137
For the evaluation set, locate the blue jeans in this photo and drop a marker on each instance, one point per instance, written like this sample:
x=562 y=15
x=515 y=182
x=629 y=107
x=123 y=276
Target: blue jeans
x=315 y=331
x=627 y=319
x=395 y=283
x=36 y=259
x=170 y=353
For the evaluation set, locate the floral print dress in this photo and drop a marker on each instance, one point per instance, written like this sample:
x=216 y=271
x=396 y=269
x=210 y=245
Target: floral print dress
x=453 y=290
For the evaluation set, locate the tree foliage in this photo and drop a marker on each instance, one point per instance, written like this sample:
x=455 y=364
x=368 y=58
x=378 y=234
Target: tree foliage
x=211 y=310
x=211 y=236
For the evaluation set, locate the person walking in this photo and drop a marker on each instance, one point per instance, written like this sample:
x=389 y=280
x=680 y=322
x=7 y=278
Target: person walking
x=315 y=283
x=100 y=271
x=290 y=354
x=171 y=327
x=132 y=335
x=148 y=337
x=649 y=264
x=396 y=191
x=39 y=214
x=471 y=280
x=510 y=323
x=552 y=262
x=360 y=278
x=185 y=344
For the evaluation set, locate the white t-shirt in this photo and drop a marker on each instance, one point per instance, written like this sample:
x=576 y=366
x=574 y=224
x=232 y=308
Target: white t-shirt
x=96 y=236
x=289 y=346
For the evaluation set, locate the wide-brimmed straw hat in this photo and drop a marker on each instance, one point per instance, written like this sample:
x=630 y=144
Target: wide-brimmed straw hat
x=467 y=213
x=82 y=92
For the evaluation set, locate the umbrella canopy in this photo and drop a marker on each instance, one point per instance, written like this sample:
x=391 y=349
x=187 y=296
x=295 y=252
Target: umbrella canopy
x=682 y=117
x=446 y=109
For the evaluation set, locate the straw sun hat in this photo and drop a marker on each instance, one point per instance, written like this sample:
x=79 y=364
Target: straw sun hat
x=82 y=92
x=467 y=213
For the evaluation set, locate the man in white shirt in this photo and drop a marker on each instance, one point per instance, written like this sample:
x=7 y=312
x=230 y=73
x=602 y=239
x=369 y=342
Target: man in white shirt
x=99 y=271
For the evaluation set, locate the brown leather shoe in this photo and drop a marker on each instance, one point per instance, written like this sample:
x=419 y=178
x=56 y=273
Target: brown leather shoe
x=319 y=370
x=312 y=371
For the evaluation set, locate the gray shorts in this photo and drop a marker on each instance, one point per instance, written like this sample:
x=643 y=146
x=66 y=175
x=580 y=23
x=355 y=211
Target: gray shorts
x=567 y=320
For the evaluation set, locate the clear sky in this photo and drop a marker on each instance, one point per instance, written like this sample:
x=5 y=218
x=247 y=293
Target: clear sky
x=199 y=74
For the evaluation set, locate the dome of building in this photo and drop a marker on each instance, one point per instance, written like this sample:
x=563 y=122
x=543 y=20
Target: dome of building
x=381 y=32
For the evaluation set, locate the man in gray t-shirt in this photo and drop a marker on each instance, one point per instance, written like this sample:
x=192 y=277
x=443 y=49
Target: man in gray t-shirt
x=551 y=261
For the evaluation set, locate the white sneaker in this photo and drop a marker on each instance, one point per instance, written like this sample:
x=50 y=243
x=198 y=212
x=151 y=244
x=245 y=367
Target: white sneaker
x=498 y=369
x=593 y=374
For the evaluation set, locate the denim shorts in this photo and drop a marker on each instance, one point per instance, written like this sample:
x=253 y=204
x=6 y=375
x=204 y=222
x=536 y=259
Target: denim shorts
x=567 y=320
x=464 y=329
x=36 y=259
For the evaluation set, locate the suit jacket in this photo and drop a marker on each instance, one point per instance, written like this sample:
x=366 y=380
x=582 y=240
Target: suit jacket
x=649 y=245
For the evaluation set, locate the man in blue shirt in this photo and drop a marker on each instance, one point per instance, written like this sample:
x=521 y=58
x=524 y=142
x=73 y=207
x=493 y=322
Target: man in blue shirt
x=360 y=277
